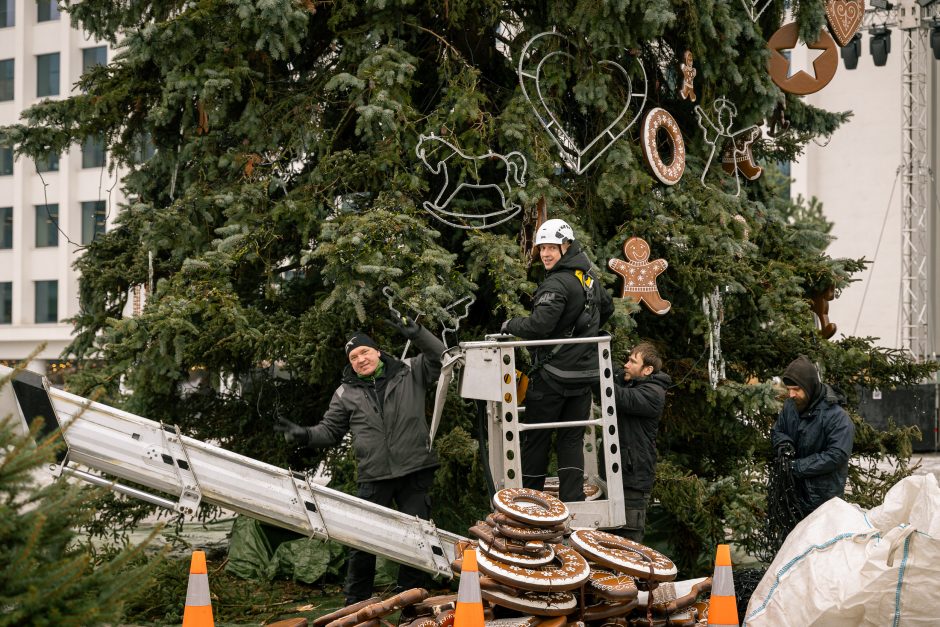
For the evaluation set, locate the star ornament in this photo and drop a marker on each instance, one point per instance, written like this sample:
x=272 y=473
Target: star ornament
x=802 y=58
x=808 y=67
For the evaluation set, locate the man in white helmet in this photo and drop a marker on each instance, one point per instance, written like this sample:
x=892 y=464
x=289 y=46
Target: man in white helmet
x=570 y=302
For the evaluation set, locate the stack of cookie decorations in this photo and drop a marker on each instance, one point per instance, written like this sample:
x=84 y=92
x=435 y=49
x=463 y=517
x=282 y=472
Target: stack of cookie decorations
x=597 y=578
x=630 y=580
x=523 y=564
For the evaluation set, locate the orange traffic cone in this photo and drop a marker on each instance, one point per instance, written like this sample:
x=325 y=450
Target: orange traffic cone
x=198 y=610
x=723 y=606
x=469 y=611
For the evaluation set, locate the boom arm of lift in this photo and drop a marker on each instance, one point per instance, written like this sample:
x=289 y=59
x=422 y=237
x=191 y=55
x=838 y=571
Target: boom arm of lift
x=131 y=448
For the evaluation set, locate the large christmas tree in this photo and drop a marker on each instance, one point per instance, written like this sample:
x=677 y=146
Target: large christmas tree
x=286 y=191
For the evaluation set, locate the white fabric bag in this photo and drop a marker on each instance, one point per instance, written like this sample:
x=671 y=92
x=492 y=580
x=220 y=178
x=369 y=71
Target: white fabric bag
x=843 y=566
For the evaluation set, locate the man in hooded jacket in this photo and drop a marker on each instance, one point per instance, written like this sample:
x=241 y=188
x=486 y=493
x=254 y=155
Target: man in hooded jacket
x=569 y=302
x=381 y=401
x=640 y=396
x=813 y=435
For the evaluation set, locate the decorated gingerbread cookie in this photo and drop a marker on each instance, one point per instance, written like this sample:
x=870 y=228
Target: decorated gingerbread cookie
x=823 y=51
x=737 y=154
x=844 y=18
x=639 y=275
x=688 y=77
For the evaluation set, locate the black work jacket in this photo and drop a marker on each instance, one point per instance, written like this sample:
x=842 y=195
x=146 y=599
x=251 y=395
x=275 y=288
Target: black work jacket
x=386 y=415
x=557 y=311
x=640 y=404
x=822 y=437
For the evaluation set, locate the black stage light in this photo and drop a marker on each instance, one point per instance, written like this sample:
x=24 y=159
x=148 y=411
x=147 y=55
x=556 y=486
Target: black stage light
x=935 y=38
x=851 y=52
x=879 y=43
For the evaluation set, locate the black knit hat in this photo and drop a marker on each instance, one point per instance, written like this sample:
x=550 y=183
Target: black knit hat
x=802 y=372
x=358 y=339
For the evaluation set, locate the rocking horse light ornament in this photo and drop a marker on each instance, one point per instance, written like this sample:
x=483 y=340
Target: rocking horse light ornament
x=551 y=47
x=440 y=156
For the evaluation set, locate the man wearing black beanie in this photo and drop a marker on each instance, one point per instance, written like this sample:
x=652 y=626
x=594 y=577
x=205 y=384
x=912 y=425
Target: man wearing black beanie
x=814 y=435
x=381 y=402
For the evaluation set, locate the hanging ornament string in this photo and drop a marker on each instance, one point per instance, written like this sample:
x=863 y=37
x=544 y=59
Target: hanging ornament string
x=467 y=302
x=714 y=310
x=396 y=315
x=447 y=161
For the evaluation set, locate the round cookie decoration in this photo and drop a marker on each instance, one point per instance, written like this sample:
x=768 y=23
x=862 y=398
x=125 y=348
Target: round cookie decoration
x=822 y=54
x=660 y=119
x=623 y=555
x=844 y=17
x=639 y=275
x=531 y=507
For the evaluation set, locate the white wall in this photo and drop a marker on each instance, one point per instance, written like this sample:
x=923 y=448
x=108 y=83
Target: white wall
x=68 y=187
x=853 y=176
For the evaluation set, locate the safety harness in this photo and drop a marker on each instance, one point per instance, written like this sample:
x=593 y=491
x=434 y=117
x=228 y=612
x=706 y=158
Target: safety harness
x=586 y=279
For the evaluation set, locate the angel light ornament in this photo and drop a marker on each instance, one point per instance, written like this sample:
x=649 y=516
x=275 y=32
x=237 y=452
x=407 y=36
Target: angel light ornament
x=718 y=132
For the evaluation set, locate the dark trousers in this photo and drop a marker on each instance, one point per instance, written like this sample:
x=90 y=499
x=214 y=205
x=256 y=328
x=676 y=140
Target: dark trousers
x=411 y=495
x=635 y=504
x=547 y=402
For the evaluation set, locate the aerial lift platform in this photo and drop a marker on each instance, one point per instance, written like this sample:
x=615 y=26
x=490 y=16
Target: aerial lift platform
x=105 y=445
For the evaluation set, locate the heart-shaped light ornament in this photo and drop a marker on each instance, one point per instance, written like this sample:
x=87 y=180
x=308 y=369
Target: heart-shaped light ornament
x=844 y=18
x=755 y=8
x=549 y=47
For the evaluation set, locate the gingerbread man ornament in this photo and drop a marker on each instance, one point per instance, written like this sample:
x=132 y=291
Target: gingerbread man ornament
x=688 y=77
x=639 y=275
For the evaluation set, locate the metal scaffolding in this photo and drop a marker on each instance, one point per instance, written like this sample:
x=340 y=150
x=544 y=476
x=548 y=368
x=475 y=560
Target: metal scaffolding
x=915 y=205
x=915 y=22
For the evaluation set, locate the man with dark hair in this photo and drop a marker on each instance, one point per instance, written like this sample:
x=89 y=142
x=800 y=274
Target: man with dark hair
x=569 y=303
x=382 y=403
x=813 y=436
x=640 y=396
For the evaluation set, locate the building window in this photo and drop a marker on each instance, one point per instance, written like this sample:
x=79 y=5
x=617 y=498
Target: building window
x=6 y=160
x=6 y=227
x=49 y=163
x=94 y=56
x=144 y=148
x=47 y=301
x=7 y=13
x=93 y=152
x=47 y=225
x=93 y=220
x=6 y=77
x=6 y=303
x=48 y=10
x=47 y=75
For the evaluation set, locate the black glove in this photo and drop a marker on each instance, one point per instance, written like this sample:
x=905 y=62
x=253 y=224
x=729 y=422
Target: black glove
x=406 y=326
x=293 y=433
x=785 y=449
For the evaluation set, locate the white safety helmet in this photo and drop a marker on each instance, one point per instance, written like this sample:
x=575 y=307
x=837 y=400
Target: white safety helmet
x=554 y=232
